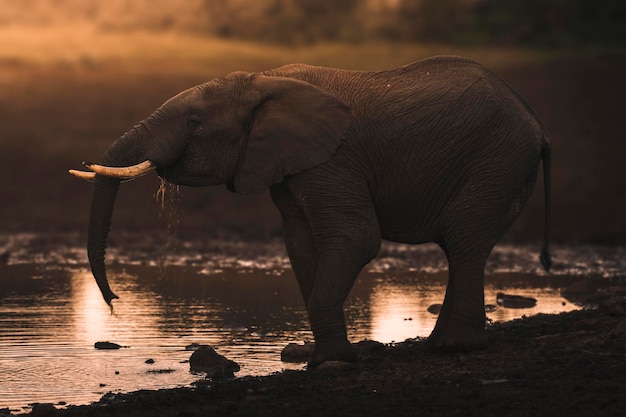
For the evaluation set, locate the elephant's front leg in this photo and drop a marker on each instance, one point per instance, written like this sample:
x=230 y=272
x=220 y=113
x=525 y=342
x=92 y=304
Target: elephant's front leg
x=331 y=338
x=341 y=258
x=299 y=240
x=325 y=308
x=329 y=238
x=337 y=270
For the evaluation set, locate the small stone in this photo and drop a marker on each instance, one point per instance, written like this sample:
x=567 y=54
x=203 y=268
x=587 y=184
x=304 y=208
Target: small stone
x=490 y=308
x=193 y=346
x=434 y=309
x=107 y=345
x=366 y=348
x=515 y=301
x=42 y=409
x=206 y=359
x=149 y=361
x=296 y=353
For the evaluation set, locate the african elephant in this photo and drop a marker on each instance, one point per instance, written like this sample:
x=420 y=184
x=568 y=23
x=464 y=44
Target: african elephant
x=441 y=150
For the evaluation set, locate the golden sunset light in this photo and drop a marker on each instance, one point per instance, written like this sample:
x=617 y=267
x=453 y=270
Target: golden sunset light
x=312 y=207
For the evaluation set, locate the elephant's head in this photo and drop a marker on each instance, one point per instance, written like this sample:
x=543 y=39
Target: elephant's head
x=245 y=130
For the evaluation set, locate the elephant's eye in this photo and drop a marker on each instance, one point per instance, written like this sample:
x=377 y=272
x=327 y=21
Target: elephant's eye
x=193 y=122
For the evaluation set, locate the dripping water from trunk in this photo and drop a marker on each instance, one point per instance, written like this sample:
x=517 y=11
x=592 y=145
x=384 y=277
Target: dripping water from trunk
x=168 y=196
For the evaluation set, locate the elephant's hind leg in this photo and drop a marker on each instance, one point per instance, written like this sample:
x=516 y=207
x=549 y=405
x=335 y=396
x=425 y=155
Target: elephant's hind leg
x=461 y=322
x=469 y=233
x=470 y=227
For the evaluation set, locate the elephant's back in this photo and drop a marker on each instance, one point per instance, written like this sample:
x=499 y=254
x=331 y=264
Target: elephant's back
x=441 y=102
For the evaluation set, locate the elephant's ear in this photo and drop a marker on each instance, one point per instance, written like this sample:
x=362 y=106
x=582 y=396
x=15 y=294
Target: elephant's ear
x=294 y=126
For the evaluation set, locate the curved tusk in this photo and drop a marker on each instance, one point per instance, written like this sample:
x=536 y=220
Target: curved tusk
x=87 y=176
x=122 y=172
x=90 y=176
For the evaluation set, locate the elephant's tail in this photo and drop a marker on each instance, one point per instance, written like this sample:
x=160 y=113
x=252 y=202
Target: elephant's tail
x=545 y=257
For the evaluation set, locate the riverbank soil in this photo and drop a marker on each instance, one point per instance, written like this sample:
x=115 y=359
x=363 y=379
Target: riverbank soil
x=572 y=364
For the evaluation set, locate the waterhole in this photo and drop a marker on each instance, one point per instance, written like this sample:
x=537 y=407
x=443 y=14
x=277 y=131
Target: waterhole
x=240 y=298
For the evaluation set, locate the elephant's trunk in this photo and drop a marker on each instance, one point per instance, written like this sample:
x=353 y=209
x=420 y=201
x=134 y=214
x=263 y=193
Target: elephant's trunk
x=126 y=151
x=102 y=201
x=149 y=145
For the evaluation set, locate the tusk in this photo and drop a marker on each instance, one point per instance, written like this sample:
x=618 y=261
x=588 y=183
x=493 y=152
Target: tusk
x=122 y=172
x=90 y=176
x=87 y=176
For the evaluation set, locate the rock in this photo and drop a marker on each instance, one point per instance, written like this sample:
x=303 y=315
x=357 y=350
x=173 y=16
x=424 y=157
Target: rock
x=296 y=353
x=515 y=301
x=42 y=409
x=107 y=345
x=434 y=309
x=206 y=359
x=490 y=308
x=149 y=361
x=367 y=348
x=194 y=346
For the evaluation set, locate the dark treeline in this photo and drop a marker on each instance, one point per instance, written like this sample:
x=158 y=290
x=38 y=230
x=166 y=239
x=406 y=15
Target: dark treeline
x=553 y=23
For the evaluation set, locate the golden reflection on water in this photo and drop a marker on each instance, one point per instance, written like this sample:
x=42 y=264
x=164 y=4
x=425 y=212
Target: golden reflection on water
x=49 y=323
x=397 y=312
x=91 y=316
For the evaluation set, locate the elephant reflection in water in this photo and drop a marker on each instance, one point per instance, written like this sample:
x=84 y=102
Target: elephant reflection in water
x=441 y=150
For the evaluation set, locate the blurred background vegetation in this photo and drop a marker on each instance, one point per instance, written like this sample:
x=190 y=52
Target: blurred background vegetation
x=546 y=23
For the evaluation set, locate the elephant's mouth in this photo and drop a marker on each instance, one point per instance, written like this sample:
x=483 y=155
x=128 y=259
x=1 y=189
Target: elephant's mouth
x=176 y=175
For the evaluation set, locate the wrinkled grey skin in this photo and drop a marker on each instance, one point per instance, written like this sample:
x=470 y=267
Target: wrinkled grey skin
x=441 y=150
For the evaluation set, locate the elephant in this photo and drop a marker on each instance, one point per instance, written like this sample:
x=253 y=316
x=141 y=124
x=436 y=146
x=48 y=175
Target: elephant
x=441 y=151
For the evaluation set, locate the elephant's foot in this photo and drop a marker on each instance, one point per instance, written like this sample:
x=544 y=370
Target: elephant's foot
x=456 y=335
x=336 y=350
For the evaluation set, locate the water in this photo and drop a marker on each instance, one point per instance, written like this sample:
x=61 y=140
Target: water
x=239 y=297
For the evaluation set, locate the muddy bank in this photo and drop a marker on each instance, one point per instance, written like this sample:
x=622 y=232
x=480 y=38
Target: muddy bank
x=572 y=364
